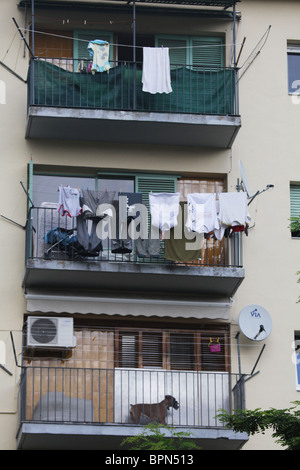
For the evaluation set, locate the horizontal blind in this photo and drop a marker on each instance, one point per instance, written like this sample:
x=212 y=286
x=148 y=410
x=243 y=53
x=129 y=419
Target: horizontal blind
x=155 y=184
x=129 y=350
x=295 y=200
x=212 y=361
x=182 y=351
x=193 y=50
x=177 y=50
x=207 y=51
x=152 y=350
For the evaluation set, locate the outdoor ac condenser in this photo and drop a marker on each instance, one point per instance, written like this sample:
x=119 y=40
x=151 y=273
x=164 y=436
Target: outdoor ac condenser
x=50 y=332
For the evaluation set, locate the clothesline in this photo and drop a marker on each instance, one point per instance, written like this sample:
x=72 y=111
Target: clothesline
x=205 y=213
x=121 y=45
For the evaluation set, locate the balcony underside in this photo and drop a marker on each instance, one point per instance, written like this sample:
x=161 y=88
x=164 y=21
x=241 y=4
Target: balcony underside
x=132 y=127
x=49 y=436
x=143 y=277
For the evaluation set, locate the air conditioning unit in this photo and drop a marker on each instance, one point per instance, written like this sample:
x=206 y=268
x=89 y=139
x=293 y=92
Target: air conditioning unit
x=50 y=332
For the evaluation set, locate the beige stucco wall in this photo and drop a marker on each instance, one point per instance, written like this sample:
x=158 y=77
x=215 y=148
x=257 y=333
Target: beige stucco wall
x=268 y=146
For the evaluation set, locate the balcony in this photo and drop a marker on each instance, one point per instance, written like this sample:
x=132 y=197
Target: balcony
x=67 y=102
x=71 y=408
x=55 y=261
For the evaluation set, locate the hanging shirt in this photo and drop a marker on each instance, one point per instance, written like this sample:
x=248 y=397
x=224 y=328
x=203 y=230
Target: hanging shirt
x=164 y=209
x=202 y=213
x=233 y=209
x=68 y=201
x=99 y=51
x=156 y=77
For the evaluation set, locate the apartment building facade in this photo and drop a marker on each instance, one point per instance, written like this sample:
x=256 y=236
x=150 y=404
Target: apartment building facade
x=108 y=323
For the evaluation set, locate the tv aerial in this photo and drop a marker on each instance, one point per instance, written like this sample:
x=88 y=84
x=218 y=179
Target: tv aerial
x=255 y=322
x=243 y=185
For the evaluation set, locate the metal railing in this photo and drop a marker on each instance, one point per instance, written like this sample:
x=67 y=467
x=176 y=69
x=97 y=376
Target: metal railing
x=70 y=83
x=52 y=236
x=123 y=396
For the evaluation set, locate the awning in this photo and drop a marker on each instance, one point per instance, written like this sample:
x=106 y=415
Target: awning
x=129 y=306
x=206 y=3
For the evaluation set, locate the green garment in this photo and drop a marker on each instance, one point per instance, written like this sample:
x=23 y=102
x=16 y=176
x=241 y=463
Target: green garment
x=175 y=248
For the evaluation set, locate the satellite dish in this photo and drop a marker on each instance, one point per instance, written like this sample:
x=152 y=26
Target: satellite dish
x=255 y=322
x=244 y=186
x=244 y=180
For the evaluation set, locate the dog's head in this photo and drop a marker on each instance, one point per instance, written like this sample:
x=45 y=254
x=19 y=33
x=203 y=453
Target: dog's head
x=171 y=402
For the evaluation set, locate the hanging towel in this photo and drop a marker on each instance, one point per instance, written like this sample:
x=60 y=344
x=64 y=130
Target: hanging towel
x=156 y=76
x=68 y=201
x=202 y=213
x=164 y=209
x=233 y=209
x=99 y=51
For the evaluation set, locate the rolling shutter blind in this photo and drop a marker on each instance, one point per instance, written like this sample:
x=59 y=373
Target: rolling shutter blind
x=129 y=351
x=200 y=50
x=177 y=50
x=212 y=361
x=295 y=200
x=140 y=349
x=179 y=350
x=155 y=184
x=207 y=51
x=152 y=350
x=182 y=351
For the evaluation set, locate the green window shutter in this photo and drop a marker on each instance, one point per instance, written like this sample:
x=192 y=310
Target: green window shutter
x=82 y=39
x=208 y=51
x=198 y=50
x=177 y=49
x=155 y=184
x=295 y=200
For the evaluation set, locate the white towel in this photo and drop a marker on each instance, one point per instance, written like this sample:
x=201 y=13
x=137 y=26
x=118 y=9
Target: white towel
x=164 y=210
x=156 y=76
x=233 y=209
x=202 y=213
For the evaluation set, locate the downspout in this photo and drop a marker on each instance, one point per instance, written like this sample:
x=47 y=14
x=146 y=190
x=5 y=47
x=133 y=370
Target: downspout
x=32 y=75
x=32 y=26
x=134 y=56
x=236 y=105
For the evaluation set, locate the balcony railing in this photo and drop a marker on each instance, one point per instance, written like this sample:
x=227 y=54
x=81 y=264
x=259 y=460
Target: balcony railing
x=67 y=83
x=51 y=236
x=102 y=396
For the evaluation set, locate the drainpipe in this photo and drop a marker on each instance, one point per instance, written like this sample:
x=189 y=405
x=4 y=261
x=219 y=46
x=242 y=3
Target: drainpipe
x=32 y=97
x=134 y=56
x=32 y=26
x=236 y=110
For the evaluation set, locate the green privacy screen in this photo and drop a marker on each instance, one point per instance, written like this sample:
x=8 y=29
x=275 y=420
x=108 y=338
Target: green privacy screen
x=197 y=90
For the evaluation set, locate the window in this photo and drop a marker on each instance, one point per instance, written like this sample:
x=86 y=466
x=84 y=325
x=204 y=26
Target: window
x=295 y=209
x=297 y=359
x=293 y=58
x=172 y=350
x=140 y=349
x=196 y=51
